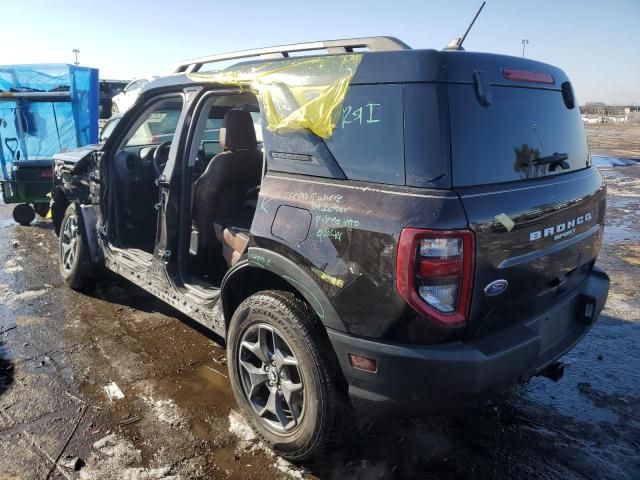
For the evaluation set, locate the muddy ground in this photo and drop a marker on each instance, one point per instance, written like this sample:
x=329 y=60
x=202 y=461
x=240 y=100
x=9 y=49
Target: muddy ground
x=59 y=349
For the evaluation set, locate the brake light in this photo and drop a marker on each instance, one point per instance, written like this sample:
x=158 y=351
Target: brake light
x=525 y=76
x=434 y=273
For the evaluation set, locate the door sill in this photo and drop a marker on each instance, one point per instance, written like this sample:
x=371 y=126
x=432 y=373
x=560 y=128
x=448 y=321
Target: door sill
x=200 y=289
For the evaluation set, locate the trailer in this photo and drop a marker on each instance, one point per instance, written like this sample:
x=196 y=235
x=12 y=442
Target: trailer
x=44 y=109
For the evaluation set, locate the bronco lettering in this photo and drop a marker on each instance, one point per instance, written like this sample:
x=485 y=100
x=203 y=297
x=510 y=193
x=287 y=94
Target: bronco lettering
x=562 y=230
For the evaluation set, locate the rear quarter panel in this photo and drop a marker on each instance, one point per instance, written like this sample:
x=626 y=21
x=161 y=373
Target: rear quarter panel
x=344 y=235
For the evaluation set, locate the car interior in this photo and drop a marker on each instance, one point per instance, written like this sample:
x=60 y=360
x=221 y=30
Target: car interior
x=224 y=184
x=139 y=161
x=224 y=175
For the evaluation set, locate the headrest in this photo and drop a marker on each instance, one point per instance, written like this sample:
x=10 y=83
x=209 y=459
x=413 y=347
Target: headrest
x=237 y=132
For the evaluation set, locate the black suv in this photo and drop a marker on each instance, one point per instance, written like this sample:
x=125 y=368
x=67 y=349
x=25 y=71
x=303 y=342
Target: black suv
x=411 y=234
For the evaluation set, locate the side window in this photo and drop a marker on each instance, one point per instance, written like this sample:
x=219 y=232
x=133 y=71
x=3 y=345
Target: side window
x=157 y=124
x=211 y=120
x=211 y=134
x=426 y=135
x=211 y=137
x=257 y=126
x=368 y=141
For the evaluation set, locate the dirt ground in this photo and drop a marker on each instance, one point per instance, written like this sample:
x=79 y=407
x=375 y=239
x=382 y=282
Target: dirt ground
x=59 y=349
x=614 y=140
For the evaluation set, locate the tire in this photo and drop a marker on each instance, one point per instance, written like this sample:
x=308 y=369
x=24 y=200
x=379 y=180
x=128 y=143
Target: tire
x=114 y=109
x=74 y=262
x=23 y=214
x=309 y=420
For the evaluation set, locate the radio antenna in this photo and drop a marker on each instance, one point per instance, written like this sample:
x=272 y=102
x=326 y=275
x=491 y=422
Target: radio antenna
x=456 y=43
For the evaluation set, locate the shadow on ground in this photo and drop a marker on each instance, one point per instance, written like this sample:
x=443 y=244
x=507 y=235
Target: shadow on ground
x=6 y=368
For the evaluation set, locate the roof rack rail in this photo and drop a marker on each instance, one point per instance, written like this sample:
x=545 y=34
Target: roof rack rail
x=374 y=44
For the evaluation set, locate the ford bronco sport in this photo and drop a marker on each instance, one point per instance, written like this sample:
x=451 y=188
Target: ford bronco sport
x=410 y=238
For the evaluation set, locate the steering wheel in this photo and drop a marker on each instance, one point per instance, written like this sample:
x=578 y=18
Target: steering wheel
x=158 y=164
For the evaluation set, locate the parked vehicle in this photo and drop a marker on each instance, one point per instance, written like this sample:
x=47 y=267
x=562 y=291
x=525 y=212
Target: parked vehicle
x=416 y=231
x=108 y=90
x=121 y=102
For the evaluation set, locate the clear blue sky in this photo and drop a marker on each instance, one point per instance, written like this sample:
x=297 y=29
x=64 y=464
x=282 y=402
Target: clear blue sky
x=596 y=42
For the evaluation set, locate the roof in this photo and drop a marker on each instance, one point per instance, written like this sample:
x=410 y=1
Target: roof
x=409 y=65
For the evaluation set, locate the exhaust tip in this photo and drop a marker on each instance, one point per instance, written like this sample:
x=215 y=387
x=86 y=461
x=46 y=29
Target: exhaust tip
x=554 y=371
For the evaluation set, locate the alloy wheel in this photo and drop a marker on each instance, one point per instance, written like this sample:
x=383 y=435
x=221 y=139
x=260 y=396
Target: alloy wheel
x=69 y=242
x=271 y=379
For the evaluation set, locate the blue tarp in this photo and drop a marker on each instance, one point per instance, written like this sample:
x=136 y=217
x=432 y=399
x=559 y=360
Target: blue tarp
x=35 y=126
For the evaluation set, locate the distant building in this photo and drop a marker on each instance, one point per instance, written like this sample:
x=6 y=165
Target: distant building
x=599 y=112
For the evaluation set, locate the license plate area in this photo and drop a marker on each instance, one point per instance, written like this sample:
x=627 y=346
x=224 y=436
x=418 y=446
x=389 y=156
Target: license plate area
x=554 y=325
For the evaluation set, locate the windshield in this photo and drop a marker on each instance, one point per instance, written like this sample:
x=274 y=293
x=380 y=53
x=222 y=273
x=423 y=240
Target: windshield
x=108 y=128
x=159 y=126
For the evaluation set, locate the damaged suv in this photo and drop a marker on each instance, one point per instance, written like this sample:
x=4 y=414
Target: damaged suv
x=400 y=231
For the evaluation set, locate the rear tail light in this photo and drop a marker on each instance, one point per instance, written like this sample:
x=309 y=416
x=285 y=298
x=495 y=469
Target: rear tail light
x=434 y=273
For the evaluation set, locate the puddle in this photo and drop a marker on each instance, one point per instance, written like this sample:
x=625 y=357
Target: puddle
x=7 y=223
x=621 y=233
x=602 y=161
x=6 y=368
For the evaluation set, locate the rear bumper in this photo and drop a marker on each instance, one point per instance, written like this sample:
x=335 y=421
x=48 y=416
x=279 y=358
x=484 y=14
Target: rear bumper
x=417 y=380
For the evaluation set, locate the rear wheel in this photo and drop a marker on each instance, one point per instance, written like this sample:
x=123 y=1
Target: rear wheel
x=74 y=261
x=284 y=374
x=23 y=214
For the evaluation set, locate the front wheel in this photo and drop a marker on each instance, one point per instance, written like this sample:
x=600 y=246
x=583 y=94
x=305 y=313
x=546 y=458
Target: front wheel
x=284 y=374
x=74 y=261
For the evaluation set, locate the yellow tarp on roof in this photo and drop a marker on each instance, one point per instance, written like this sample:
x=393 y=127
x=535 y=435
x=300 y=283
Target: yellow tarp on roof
x=295 y=94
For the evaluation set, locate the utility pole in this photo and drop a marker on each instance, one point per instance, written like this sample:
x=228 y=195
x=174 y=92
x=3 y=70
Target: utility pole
x=524 y=45
x=76 y=52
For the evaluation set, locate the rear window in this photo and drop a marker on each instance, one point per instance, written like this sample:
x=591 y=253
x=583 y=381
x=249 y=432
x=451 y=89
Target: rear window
x=512 y=137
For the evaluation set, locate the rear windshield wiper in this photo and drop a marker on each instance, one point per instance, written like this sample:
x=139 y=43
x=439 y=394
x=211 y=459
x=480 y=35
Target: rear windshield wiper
x=553 y=161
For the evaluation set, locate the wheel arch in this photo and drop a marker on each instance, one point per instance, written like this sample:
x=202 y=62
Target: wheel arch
x=58 y=207
x=87 y=220
x=266 y=270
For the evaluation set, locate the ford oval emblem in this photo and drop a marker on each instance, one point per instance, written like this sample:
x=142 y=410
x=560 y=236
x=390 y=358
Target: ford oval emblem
x=496 y=287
